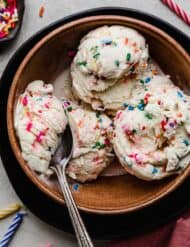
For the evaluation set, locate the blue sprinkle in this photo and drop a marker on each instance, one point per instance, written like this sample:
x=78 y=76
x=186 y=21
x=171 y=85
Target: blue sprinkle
x=154 y=170
x=179 y=93
x=39 y=99
x=129 y=164
x=186 y=142
x=106 y=41
x=131 y=108
x=75 y=187
x=125 y=104
x=100 y=120
x=147 y=80
x=141 y=106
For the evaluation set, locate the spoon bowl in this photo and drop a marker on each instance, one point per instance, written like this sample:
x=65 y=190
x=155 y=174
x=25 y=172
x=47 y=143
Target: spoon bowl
x=64 y=150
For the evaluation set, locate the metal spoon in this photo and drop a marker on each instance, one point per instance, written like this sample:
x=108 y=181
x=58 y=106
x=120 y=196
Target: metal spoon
x=60 y=160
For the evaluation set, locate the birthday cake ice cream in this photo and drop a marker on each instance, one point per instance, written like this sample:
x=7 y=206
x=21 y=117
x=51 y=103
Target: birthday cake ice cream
x=104 y=56
x=92 y=153
x=152 y=134
x=38 y=119
x=116 y=97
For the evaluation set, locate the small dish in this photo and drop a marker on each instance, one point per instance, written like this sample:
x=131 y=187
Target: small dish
x=14 y=32
x=121 y=193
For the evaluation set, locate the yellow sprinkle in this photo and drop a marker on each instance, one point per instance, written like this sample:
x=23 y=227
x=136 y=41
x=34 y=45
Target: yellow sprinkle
x=94 y=66
x=9 y=210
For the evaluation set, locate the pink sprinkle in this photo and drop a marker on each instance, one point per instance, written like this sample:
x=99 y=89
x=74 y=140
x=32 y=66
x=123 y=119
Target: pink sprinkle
x=118 y=115
x=132 y=156
x=29 y=126
x=127 y=130
x=25 y=101
x=46 y=105
x=137 y=158
x=95 y=159
x=71 y=53
x=40 y=136
x=146 y=98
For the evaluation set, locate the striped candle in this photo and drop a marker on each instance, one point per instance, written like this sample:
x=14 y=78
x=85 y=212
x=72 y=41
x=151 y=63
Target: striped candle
x=17 y=220
x=9 y=210
x=178 y=10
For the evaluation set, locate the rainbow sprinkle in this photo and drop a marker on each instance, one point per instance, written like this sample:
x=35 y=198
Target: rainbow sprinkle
x=8 y=17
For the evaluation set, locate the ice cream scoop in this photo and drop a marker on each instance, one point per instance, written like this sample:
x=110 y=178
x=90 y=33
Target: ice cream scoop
x=39 y=119
x=92 y=133
x=104 y=56
x=152 y=136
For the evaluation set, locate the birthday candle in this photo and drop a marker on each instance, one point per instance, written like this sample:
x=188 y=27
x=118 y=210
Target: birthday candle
x=9 y=210
x=178 y=10
x=17 y=220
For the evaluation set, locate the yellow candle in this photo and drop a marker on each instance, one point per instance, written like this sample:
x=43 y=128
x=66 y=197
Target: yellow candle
x=9 y=210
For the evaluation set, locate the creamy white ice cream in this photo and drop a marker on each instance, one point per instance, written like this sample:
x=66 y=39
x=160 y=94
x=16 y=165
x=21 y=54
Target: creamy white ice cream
x=92 y=153
x=152 y=133
x=38 y=119
x=104 y=56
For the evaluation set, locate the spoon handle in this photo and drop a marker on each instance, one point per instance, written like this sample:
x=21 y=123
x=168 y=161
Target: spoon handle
x=79 y=227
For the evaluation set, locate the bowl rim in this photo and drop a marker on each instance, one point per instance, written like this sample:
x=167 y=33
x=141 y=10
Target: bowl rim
x=10 y=126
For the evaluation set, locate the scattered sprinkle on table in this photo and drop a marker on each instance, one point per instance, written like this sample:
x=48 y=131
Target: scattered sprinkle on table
x=41 y=11
x=8 y=17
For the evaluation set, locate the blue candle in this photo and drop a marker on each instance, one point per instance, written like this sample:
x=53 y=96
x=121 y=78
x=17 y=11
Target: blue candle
x=17 y=220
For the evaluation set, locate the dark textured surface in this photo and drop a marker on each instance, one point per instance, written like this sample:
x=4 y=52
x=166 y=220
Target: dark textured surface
x=99 y=226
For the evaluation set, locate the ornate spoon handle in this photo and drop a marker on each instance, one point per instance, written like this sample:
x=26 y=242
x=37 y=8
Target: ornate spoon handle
x=79 y=227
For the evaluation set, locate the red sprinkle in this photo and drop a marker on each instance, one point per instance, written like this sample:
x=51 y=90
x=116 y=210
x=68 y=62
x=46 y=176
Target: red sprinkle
x=95 y=159
x=146 y=98
x=28 y=127
x=107 y=141
x=25 y=101
x=159 y=102
x=128 y=132
x=163 y=124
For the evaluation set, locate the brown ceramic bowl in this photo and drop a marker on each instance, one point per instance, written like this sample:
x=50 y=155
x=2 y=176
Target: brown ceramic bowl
x=106 y=195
